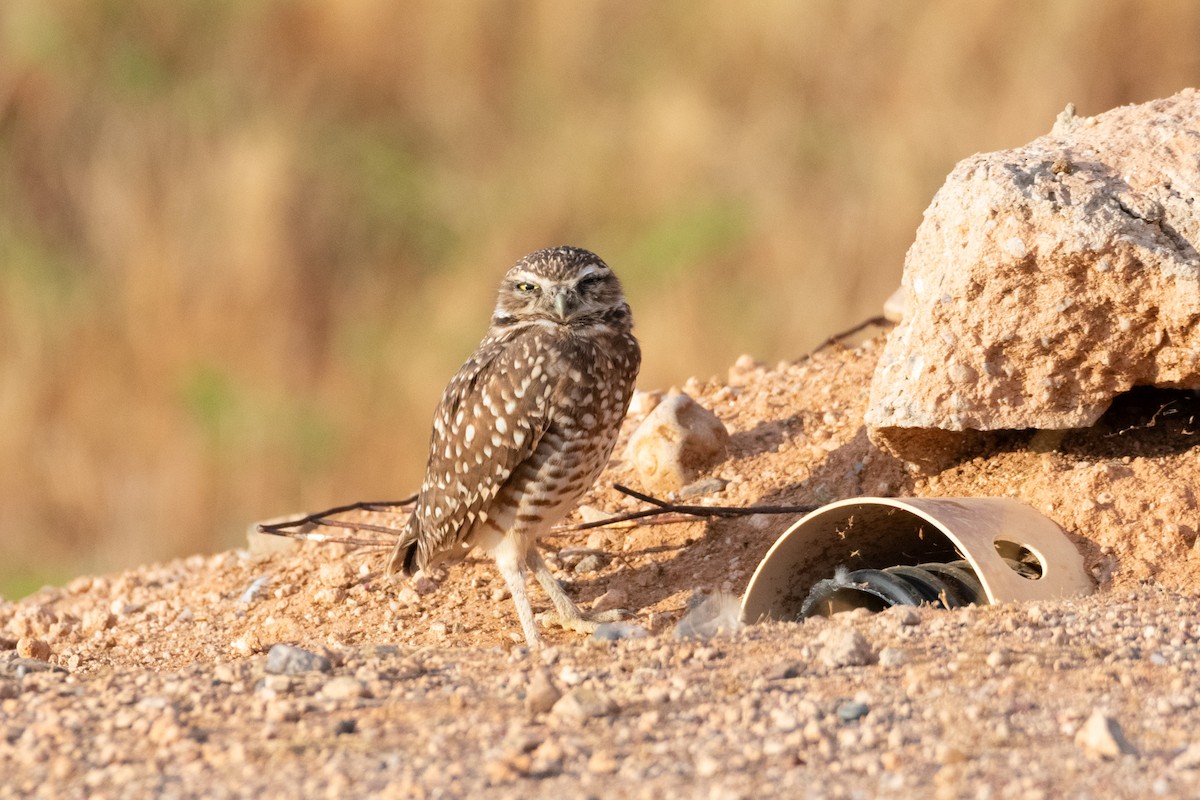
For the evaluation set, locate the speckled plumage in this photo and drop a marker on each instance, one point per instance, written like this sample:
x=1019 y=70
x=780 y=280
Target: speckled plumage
x=527 y=424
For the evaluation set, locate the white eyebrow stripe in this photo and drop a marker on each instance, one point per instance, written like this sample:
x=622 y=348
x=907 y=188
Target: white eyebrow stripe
x=588 y=271
x=524 y=275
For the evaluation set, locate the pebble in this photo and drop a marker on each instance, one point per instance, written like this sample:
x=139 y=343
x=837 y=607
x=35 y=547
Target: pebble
x=611 y=600
x=583 y=703
x=589 y=563
x=29 y=647
x=336 y=574
x=892 y=657
x=1101 y=737
x=602 y=762
x=844 y=647
x=343 y=687
x=290 y=660
x=785 y=671
x=702 y=487
x=1000 y=657
x=542 y=694
x=852 y=711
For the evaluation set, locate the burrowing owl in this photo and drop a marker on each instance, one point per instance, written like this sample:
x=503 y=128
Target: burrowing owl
x=527 y=424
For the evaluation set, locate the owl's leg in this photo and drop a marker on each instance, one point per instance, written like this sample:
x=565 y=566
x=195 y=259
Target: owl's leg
x=511 y=563
x=569 y=615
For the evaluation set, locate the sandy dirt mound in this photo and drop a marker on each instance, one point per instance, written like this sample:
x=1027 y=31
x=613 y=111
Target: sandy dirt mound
x=154 y=681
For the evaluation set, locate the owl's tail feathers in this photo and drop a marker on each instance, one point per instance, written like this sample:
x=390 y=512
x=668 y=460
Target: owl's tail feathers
x=404 y=555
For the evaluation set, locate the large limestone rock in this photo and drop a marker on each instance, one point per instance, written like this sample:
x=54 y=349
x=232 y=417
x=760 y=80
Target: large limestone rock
x=1048 y=279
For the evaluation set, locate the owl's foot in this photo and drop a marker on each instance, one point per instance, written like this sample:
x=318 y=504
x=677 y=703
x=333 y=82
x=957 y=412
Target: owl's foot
x=573 y=619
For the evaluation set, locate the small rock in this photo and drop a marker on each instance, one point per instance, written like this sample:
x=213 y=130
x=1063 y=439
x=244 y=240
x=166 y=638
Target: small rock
x=547 y=759
x=785 y=671
x=677 y=442
x=506 y=770
x=542 y=694
x=703 y=487
x=289 y=660
x=344 y=687
x=97 y=619
x=852 y=711
x=345 y=726
x=589 y=563
x=336 y=575
x=600 y=539
x=29 y=647
x=406 y=595
x=1000 y=657
x=602 y=762
x=707 y=766
x=845 y=647
x=583 y=703
x=611 y=600
x=892 y=657
x=328 y=596
x=1101 y=737
x=247 y=644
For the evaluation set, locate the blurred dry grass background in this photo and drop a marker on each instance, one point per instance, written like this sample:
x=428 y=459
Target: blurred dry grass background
x=243 y=243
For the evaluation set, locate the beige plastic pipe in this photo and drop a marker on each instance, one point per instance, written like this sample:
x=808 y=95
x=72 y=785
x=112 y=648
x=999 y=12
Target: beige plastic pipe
x=884 y=531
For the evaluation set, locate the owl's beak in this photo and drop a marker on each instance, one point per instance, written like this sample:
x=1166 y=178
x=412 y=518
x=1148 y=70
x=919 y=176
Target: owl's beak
x=561 y=304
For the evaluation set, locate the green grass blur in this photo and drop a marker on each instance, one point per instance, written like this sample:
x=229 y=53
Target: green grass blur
x=244 y=244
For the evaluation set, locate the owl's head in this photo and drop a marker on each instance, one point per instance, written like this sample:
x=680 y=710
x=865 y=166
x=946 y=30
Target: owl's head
x=566 y=286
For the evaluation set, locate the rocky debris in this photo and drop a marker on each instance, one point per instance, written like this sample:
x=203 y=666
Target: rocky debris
x=542 y=694
x=344 y=687
x=612 y=600
x=583 y=703
x=285 y=659
x=1101 y=737
x=29 y=647
x=843 y=646
x=1046 y=280
x=677 y=442
x=852 y=711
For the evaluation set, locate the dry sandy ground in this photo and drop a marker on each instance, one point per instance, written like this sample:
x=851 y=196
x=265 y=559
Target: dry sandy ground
x=155 y=682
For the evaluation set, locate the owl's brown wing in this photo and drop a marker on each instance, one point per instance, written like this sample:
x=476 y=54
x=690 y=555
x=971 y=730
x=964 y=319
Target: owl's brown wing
x=491 y=417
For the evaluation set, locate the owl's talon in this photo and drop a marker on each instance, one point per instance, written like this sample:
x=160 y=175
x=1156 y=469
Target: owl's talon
x=582 y=622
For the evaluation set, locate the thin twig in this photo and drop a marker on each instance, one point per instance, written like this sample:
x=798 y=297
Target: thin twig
x=662 y=507
x=319 y=517
x=837 y=338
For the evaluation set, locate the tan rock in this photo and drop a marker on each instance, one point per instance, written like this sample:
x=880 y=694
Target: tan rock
x=28 y=647
x=1046 y=280
x=1101 y=737
x=678 y=441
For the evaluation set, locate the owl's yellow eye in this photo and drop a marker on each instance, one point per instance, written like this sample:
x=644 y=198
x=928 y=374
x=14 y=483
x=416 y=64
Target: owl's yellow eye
x=526 y=287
